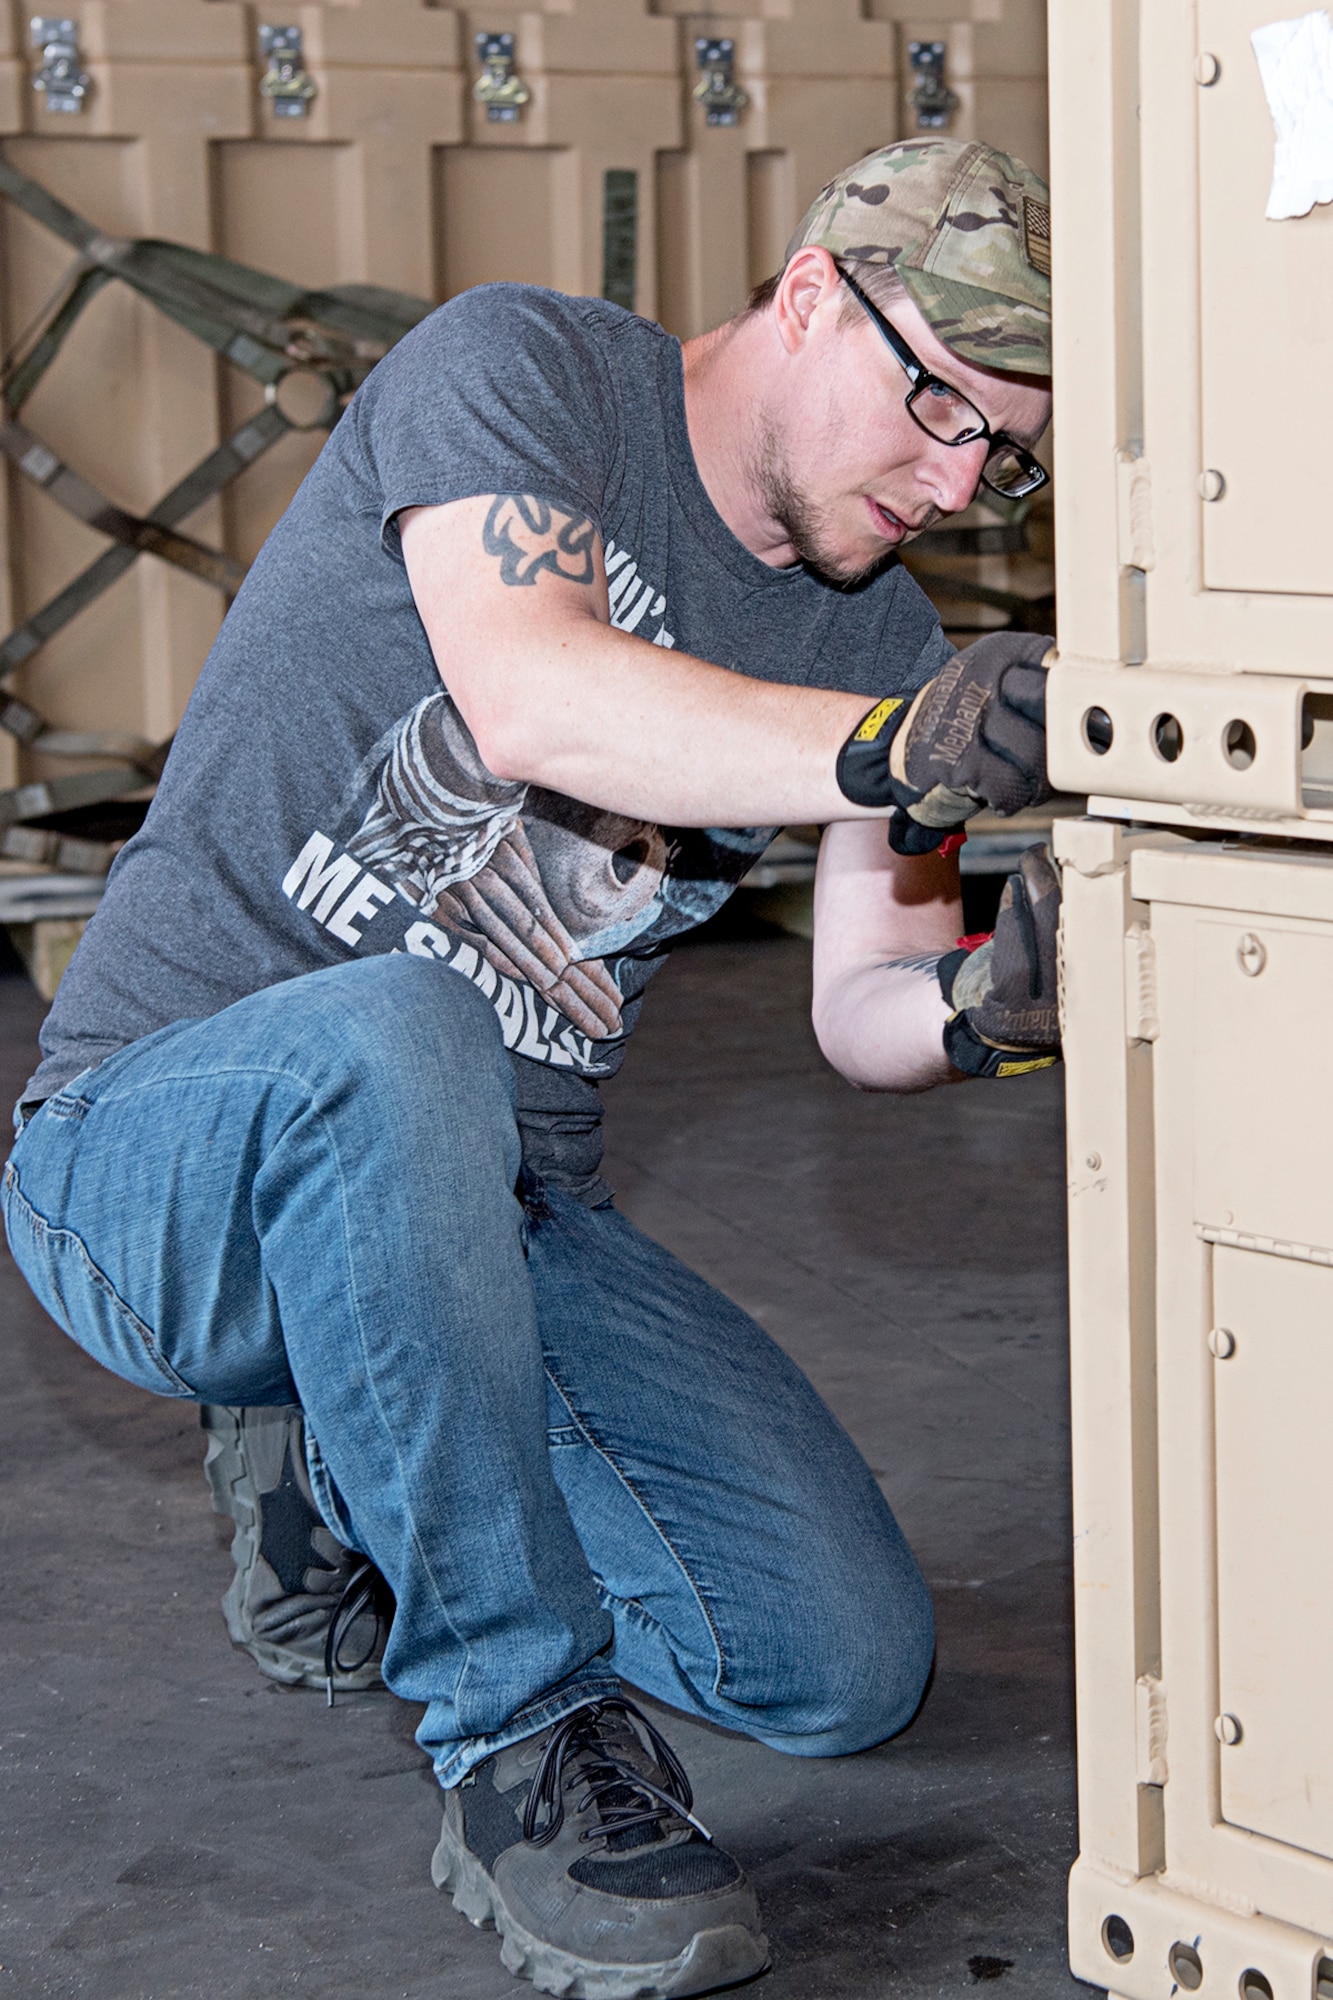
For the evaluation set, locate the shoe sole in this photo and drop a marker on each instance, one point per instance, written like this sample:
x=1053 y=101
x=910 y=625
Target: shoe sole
x=712 y=1959
x=232 y=1489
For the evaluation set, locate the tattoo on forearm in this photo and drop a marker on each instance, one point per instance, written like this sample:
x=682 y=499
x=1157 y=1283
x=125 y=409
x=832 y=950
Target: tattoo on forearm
x=919 y=961
x=529 y=535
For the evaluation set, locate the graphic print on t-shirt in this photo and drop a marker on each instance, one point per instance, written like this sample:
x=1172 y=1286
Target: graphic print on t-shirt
x=556 y=910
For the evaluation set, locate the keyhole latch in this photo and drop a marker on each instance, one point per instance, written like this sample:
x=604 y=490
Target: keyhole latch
x=499 y=87
x=717 y=90
x=932 y=100
x=286 y=82
x=62 y=80
x=1251 y=955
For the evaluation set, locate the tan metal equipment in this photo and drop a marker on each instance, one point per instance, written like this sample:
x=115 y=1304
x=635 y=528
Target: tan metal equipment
x=1194 y=339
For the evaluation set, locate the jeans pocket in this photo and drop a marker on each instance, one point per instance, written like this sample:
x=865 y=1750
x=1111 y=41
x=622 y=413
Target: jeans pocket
x=81 y=1298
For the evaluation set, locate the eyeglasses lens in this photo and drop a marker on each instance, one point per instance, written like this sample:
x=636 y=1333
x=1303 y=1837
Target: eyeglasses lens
x=1012 y=472
x=945 y=413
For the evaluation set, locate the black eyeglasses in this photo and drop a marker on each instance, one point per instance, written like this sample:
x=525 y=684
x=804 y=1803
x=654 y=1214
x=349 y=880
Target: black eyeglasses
x=946 y=414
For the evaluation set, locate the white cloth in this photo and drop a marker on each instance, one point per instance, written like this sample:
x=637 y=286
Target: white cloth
x=1296 y=64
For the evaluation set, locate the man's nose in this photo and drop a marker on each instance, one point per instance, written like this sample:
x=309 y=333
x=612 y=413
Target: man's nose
x=952 y=473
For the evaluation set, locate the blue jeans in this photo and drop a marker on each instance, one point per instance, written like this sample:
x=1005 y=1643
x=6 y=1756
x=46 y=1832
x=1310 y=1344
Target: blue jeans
x=570 y=1457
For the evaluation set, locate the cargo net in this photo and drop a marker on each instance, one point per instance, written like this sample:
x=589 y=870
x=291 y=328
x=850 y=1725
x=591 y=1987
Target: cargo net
x=270 y=330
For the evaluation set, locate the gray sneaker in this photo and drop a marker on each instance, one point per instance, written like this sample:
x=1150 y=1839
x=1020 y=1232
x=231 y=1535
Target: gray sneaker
x=581 y=1847
x=309 y=1612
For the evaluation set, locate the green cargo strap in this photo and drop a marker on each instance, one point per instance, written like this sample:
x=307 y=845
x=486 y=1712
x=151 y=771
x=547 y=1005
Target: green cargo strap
x=205 y=482
x=73 y=492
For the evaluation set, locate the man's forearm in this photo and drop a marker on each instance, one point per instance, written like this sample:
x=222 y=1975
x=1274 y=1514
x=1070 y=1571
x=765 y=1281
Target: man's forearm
x=882 y=1024
x=513 y=597
x=602 y=716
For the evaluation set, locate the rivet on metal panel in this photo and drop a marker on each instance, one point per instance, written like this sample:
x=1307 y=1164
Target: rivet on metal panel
x=62 y=79
x=1251 y=955
x=931 y=99
x=286 y=82
x=1094 y=1162
x=1222 y=1343
x=1212 y=485
x=717 y=90
x=498 y=87
x=1207 y=68
x=1227 y=1730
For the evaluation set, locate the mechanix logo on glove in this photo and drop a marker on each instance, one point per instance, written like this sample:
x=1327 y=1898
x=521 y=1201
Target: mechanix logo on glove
x=1005 y=1018
x=975 y=736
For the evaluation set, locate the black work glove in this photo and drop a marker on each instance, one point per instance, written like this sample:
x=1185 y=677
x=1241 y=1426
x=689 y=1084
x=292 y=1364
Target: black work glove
x=974 y=736
x=1004 y=1019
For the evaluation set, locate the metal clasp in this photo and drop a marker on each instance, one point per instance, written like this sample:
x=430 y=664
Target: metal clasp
x=62 y=79
x=932 y=99
x=286 y=82
x=502 y=92
x=717 y=90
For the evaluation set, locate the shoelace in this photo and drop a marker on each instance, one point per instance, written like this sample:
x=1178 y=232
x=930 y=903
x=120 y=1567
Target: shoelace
x=605 y=1773
x=365 y=1590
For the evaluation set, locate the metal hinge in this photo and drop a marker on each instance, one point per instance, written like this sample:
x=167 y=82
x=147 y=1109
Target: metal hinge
x=1134 y=511
x=286 y=82
x=1141 y=1022
x=1150 y=1731
x=717 y=90
x=931 y=99
x=498 y=87
x=62 y=79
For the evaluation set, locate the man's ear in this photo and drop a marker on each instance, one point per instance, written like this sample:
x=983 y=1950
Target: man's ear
x=808 y=287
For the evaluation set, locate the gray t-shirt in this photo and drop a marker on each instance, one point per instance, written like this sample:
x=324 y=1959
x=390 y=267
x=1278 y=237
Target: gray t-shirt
x=324 y=796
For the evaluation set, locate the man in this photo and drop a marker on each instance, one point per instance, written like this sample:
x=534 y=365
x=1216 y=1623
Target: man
x=562 y=624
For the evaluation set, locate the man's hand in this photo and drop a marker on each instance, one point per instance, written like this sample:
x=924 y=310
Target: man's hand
x=974 y=736
x=1002 y=996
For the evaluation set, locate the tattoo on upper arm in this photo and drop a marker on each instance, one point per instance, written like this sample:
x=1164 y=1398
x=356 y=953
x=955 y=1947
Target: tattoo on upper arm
x=530 y=535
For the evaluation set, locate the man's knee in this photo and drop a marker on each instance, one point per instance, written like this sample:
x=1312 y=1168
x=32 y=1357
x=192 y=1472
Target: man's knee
x=406 y=1020
x=850 y=1669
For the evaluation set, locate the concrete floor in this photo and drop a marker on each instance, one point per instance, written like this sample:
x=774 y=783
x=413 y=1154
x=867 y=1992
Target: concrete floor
x=174 y=1825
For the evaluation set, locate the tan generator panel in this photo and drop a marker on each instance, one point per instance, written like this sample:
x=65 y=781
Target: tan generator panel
x=1192 y=699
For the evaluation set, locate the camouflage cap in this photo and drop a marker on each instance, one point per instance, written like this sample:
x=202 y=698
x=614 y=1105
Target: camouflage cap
x=968 y=231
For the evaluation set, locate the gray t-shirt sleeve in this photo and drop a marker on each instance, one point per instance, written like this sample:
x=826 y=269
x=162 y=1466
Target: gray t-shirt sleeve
x=501 y=391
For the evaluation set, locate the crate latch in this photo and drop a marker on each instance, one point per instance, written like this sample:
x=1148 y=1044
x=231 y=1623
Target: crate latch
x=499 y=88
x=932 y=100
x=286 y=82
x=62 y=79
x=717 y=90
